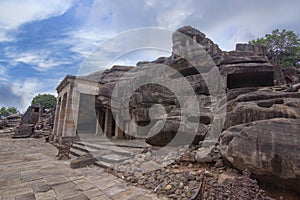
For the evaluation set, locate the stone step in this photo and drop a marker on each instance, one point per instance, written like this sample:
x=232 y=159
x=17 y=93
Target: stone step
x=7 y=130
x=21 y=135
x=11 y=125
x=103 y=164
x=14 y=120
x=132 y=144
x=101 y=154
x=95 y=147
x=86 y=149
x=76 y=152
x=83 y=148
x=105 y=157
x=111 y=158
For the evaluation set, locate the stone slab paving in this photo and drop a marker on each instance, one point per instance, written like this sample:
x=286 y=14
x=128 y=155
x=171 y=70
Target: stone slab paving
x=30 y=170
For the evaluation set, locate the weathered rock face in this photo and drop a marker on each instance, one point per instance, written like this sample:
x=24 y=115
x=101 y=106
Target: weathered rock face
x=212 y=48
x=109 y=78
x=269 y=148
x=262 y=133
x=260 y=105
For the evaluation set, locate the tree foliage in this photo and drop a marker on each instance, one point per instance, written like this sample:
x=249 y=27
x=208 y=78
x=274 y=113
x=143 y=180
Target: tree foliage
x=4 y=112
x=46 y=100
x=283 y=47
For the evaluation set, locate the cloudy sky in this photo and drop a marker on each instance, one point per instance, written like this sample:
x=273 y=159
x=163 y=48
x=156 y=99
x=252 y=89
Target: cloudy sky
x=42 y=41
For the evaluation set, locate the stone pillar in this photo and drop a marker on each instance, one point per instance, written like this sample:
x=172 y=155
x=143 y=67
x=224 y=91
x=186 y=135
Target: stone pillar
x=98 y=127
x=119 y=127
x=127 y=130
x=69 y=124
x=57 y=111
x=61 y=116
x=102 y=120
x=132 y=130
x=75 y=106
x=108 y=123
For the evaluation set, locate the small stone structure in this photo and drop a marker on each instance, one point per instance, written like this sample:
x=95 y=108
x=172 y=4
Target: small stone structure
x=33 y=114
x=13 y=120
x=68 y=104
x=29 y=120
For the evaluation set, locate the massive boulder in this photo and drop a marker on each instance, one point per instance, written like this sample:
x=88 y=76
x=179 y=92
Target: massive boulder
x=268 y=148
x=262 y=134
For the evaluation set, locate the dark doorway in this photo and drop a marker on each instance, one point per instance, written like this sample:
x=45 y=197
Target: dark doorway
x=250 y=79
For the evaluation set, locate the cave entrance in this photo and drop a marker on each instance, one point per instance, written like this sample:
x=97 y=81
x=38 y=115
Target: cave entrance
x=250 y=79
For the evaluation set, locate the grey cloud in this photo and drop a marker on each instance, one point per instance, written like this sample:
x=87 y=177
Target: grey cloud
x=225 y=21
x=8 y=98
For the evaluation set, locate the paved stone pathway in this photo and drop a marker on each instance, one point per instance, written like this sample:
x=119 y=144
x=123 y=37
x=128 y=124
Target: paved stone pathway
x=29 y=170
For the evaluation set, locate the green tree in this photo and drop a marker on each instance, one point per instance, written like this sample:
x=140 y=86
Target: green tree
x=4 y=112
x=283 y=47
x=46 y=100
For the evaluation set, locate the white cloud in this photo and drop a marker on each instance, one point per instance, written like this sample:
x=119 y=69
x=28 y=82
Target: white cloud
x=40 y=61
x=83 y=41
x=26 y=91
x=4 y=37
x=128 y=48
x=19 y=93
x=2 y=70
x=14 y=13
x=228 y=22
x=173 y=14
x=225 y=22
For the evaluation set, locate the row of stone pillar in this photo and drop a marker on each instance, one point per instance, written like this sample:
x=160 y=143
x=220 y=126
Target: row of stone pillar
x=108 y=125
x=123 y=129
x=66 y=118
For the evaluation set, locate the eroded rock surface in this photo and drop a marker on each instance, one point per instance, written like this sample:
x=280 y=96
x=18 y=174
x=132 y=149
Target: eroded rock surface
x=269 y=148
